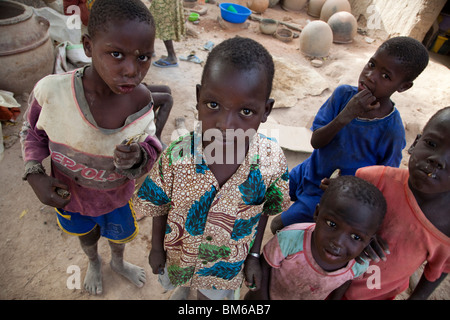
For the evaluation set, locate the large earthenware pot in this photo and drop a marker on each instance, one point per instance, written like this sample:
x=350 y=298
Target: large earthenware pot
x=26 y=50
x=314 y=7
x=258 y=6
x=316 y=39
x=293 y=5
x=330 y=7
x=344 y=27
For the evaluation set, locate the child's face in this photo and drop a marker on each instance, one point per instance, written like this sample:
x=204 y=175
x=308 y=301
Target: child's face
x=383 y=75
x=121 y=55
x=344 y=227
x=429 y=163
x=232 y=99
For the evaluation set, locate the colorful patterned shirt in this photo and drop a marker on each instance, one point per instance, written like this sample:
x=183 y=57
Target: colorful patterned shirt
x=210 y=229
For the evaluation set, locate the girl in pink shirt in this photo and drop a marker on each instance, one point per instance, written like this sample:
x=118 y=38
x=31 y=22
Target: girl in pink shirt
x=313 y=261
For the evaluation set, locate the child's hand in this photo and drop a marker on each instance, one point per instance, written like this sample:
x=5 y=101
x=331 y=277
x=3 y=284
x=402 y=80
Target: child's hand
x=361 y=103
x=49 y=190
x=252 y=273
x=126 y=156
x=375 y=251
x=157 y=261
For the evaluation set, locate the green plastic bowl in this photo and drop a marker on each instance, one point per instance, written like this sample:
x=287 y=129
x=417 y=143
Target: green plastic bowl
x=193 y=16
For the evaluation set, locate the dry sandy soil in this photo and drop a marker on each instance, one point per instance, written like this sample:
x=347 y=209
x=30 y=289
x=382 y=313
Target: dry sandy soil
x=36 y=254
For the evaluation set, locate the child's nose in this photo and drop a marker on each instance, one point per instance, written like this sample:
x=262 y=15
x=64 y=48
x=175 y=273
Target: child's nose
x=130 y=69
x=370 y=75
x=225 y=121
x=437 y=161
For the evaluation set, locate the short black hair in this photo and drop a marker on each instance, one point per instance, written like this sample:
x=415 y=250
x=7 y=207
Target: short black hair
x=105 y=11
x=243 y=53
x=359 y=189
x=446 y=109
x=412 y=55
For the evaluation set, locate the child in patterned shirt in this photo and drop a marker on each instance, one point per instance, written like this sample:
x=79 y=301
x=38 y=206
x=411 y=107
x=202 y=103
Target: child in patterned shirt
x=212 y=190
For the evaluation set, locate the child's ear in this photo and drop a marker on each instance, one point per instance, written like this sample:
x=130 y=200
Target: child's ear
x=316 y=212
x=198 y=87
x=87 y=45
x=410 y=150
x=268 y=109
x=405 y=86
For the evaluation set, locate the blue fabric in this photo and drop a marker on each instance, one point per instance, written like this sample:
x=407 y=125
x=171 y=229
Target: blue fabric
x=359 y=144
x=119 y=226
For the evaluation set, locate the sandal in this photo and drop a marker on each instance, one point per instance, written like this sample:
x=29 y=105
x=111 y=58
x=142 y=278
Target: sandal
x=164 y=63
x=192 y=58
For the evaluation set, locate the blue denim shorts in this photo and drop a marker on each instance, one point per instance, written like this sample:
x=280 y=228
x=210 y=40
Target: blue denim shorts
x=119 y=226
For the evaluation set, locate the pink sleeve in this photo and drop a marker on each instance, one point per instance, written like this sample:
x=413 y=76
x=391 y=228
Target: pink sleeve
x=153 y=148
x=438 y=262
x=272 y=253
x=34 y=141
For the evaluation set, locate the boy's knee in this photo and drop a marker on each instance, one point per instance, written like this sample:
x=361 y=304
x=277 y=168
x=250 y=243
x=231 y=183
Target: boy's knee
x=91 y=238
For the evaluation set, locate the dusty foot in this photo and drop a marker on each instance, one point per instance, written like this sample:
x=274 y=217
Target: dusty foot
x=93 y=280
x=133 y=273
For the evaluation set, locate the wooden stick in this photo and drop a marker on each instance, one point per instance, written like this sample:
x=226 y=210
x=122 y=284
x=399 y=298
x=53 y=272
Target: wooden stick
x=290 y=26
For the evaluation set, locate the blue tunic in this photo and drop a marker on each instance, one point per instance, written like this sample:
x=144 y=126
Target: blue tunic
x=360 y=143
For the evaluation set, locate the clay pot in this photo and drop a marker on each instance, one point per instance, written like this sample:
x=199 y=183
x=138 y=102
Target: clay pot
x=316 y=39
x=258 y=6
x=330 y=7
x=273 y=3
x=314 y=7
x=26 y=50
x=284 y=34
x=293 y=5
x=189 y=3
x=344 y=27
x=268 y=26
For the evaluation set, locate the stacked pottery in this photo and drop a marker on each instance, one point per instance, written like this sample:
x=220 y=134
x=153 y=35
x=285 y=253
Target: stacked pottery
x=258 y=6
x=344 y=27
x=316 y=39
x=26 y=50
x=314 y=7
x=293 y=5
x=330 y=7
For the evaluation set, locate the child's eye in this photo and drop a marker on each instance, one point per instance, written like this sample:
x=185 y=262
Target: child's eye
x=331 y=223
x=431 y=143
x=356 y=237
x=143 y=58
x=386 y=76
x=246 y=112
x=371 y=64
x=116 y=55
x=212 y=105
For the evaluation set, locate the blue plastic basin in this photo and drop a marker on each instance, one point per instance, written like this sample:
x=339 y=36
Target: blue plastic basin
x=239 y=17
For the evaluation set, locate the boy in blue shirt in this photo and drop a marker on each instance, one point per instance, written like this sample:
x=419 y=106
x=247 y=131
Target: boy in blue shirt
x=357 y=126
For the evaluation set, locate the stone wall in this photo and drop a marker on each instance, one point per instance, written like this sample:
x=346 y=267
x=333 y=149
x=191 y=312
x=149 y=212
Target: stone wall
x=388 y=18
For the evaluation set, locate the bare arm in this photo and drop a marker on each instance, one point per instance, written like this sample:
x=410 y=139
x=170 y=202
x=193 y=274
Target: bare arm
x=425 y=288
x=358 y=106
x=252 y=266
x=157 y=257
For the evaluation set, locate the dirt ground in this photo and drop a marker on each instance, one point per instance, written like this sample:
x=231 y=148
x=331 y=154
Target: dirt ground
x=37 y=256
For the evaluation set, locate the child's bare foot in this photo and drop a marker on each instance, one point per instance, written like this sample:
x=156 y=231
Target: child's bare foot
x=133 y=273
x=93 y=280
